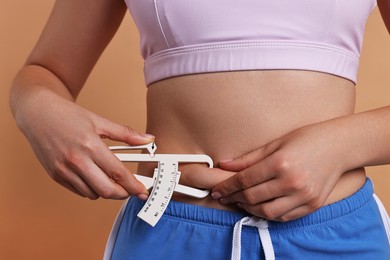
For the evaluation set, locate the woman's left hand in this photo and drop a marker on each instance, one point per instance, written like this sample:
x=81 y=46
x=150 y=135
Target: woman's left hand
x=289 y=177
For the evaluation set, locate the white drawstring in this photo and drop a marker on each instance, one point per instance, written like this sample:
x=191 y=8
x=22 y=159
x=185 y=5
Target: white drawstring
x=385 y=217
x=265 y=237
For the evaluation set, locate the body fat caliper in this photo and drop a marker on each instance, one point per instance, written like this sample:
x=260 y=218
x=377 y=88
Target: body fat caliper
x=165 y=179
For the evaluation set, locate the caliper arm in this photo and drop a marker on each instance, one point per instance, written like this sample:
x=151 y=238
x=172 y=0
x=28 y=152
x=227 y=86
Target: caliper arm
x=165 y=178
x=178 y=158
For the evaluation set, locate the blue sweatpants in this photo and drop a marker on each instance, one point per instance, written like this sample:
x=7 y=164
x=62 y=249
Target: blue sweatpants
x=349 y=229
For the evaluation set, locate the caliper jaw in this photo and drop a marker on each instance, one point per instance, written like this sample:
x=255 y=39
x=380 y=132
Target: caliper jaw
x=151 y=147
x=165 y=178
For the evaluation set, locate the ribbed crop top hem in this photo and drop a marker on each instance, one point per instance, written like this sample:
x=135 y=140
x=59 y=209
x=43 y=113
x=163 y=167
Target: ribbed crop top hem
x=251 y=55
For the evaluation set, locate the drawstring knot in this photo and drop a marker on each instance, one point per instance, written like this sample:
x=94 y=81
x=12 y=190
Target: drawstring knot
x=265 y=237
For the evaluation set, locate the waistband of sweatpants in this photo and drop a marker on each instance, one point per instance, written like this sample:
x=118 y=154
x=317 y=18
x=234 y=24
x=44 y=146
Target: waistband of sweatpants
x=189 y=212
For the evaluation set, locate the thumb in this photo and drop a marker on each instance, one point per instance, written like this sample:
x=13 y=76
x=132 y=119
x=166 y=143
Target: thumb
x=246 y=160
x=121 y=133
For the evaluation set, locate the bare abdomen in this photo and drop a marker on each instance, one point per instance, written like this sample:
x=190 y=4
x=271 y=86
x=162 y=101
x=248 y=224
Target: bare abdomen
x=228 y=114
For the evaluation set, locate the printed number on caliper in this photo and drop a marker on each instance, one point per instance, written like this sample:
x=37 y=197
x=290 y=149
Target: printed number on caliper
x=165 y=179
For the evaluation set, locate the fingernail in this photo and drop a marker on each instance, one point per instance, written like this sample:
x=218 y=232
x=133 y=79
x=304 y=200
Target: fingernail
x=216 y=195
x=142 y=196
x=148 y=136
x=226 y=161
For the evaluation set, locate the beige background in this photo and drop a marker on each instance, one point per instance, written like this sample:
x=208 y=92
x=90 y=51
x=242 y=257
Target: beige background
x=41 y=220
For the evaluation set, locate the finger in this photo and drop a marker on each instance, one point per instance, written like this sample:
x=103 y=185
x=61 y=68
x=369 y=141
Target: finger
x=100 y=182
x=256 y=194
x=246 y=160
x=295 y=213
x=121 y=133
x=309 y=206
x=71 y=188
x=117 y=171
x=274 y=209
x=76 y=184
x=71 y=180
x=249 y=177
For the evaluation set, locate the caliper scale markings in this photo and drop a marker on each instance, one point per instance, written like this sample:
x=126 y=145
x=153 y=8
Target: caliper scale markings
x=165 y=179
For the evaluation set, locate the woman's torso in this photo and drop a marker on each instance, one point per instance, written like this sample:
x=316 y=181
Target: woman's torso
x=269 y=51
x=227 y=114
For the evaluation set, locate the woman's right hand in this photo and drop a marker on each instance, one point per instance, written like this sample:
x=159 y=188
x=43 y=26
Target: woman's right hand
x=67 y=140
x=65 y=137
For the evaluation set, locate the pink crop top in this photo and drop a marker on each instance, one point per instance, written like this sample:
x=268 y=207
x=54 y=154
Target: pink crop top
x=180 y=37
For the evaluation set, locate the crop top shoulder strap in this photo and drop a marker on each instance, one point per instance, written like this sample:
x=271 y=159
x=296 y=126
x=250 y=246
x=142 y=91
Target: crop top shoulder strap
x=180 y=37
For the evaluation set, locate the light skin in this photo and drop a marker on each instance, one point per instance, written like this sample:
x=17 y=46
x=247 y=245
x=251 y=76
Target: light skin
x=273 y=181
x=291 y=160
x=269 y=107
x=44 y=91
